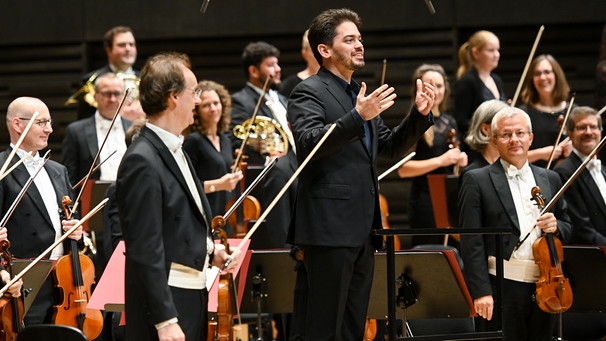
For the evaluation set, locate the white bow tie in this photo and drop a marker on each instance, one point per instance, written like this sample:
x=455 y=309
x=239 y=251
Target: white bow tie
x=513 y=173
x=33 y=162
x=595 y=164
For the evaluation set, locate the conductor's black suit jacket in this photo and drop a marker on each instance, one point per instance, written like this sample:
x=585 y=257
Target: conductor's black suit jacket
x=337 y=195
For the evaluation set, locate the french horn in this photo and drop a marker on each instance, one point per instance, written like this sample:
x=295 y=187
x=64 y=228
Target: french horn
x=87 y=91
x=266 y=135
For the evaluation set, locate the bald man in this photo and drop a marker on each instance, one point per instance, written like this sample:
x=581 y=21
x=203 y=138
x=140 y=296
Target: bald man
x=35 y=223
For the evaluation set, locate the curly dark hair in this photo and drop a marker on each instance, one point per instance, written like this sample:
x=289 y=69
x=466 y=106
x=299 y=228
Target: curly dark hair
x=224 y=98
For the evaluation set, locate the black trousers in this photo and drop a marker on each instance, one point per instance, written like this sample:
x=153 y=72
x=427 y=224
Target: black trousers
x=340 y=280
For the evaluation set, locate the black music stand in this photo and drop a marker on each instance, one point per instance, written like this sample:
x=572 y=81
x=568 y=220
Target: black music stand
x=440 y=293
x=95 y=223
x=585 y=267
x=33 y=279
x=276 y=267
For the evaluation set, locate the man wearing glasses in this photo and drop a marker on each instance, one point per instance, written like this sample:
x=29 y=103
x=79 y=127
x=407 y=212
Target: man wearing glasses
x=84 y=137
x=586 y=196
x=499 y=195
x=35 y=224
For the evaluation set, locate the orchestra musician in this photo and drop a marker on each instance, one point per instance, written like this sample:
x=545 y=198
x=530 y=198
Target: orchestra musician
x=545 y=99
x=434 y=154
x=337 y=195
x=209 y=148
x=476 y=80
x=500 y=195
x=164 y=214
x=84 y=137
x=586 y=196
x=121 y=50
x=35 y=224
x=261 y=65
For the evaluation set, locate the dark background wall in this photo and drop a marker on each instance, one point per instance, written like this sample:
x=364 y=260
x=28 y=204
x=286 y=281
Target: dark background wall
x=46 y=45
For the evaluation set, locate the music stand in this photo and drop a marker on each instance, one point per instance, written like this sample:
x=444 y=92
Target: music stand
x=276 y=266
x=585 y=267
x=441 y=293
x=32 y=279
x=95 y=223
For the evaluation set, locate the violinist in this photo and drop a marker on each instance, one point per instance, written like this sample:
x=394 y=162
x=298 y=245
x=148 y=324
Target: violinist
x=35 y=224
x=164 y=214
x=209 y=148
x=260 y=62
x=586 y=196
x=545 y=99
x=500 y=195
x=434 y=154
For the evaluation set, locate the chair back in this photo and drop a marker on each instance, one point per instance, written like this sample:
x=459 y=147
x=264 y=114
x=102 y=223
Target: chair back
x=51 y=332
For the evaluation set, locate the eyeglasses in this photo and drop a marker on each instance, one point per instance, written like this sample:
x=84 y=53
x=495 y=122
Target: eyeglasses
x=583 y=127
x=109 y=94
x=40 y=122
x=520 y=134
x=544 y=72
x=197 y=93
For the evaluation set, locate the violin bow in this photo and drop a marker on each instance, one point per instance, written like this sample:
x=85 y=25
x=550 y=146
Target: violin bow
x=555 y=145
x=530 y=56
x=397 y=165
x=21 y=160
x=21 y=194
x=92 y=166
x=12 y=154
x=255 y=182
x=252 y=122
x=283 y=190
x=54 y=245
x=383 y=71
x=565 y=186
x=94 y=170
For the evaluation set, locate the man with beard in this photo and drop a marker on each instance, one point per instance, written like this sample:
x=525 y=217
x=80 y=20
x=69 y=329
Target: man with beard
x=338 y=196
x=586 y=196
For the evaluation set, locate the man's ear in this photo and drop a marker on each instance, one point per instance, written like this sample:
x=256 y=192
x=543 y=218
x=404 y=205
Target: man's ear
x=253 y=71
x=324 y=50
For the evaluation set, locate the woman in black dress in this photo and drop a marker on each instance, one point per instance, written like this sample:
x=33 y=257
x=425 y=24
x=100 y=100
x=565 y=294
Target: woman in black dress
x=434 y=154
x=544 y=98
x=210 y=149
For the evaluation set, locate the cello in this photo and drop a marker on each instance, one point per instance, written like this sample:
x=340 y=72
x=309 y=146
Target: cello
x=11 y=308
x=553 y=293
x=74 y=274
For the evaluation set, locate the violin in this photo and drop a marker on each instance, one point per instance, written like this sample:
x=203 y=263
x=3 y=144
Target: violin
x=223 y=328
x=74 y=275
x=453 y=142
x=250 y=209
x=11 y=308
x=553 y=293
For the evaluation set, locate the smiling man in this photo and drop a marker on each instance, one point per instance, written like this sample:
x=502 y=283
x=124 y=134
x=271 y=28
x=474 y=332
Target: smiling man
x=499 y=195
x=338 y=196
x=586 y=196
